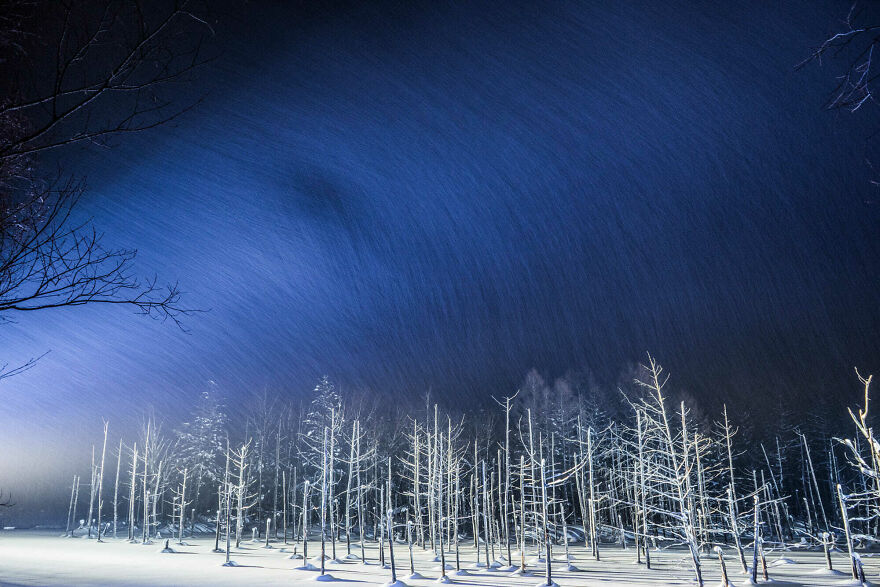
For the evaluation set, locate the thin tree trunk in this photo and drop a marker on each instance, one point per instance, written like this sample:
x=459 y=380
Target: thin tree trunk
x=389 y=519
x=409 y=540
x=486 y=519
x=734 y=528
x=643 y=492
x=416 y=484
x=228 y=520
x=381 y=527
x=156 y=496
x=217 y=525
x=284 y=503
x=522 y=514
x=305 y=522
x=75 y=500
x=70 y=507
x=725 y=582
x=506 y=477
x=455 y=519
x=132 y=492
x=815 y=482
x=91 y=493
x=331 y=504
x=849 y=544
x=360 y=500
x=757 y=536
x=146 y=529
x=324 y=503
x=548 y=566
x=116 y=489
x=275 y=488
x=182 y=508
x=101 y=481
x=826 y=544
x=348 y=491
x=439 y=497
x=594 y=535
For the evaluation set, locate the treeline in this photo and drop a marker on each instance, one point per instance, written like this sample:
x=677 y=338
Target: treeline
x=546 y=466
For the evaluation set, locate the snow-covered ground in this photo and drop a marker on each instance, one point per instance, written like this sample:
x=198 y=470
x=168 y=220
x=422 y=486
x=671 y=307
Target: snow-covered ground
x=43 y=558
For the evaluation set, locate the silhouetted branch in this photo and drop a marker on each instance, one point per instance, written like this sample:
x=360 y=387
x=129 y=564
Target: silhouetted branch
x=82 y=70
x=6 y=371
x=111 y=60
x=49 y=261
x=855 y=43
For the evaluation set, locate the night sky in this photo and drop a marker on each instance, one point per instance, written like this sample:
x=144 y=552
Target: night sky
x=412 y=196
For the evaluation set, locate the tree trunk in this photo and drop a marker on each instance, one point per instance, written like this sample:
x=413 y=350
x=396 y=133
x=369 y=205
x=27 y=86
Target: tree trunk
x=734 y=528
x=324 y=503
x=116 y=489
x=132 y=492
x=217 y=525
x=73 y=485
x=101 y=481
x=756 y=534
x=182 y=508
x=849 y=544
x=389 y=521
x=91 y=493
x=546 y=520
x=146 y=530
x=305 y=522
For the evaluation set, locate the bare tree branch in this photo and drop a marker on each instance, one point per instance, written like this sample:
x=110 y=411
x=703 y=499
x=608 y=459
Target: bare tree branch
x=111 y=63
x=77 y=71
x=49 y=261
x=854 y=44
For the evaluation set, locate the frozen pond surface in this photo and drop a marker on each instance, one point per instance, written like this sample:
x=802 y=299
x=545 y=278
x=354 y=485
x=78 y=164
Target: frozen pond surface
x=43 y=558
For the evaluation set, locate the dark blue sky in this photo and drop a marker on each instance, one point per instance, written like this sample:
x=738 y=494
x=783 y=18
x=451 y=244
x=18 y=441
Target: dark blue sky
x=415 y=195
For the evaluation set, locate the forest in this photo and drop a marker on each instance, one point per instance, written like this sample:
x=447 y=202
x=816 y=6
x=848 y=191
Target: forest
x=339 y=479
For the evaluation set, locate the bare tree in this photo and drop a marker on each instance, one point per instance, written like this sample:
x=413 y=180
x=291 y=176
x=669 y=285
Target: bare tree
x=70 y=519
x=107 y=72
x=854 y=43
x=674 y=468
x=100 y=478
x=81 y=72
x=116 y=488
x=243 y=496
x=852 y=47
